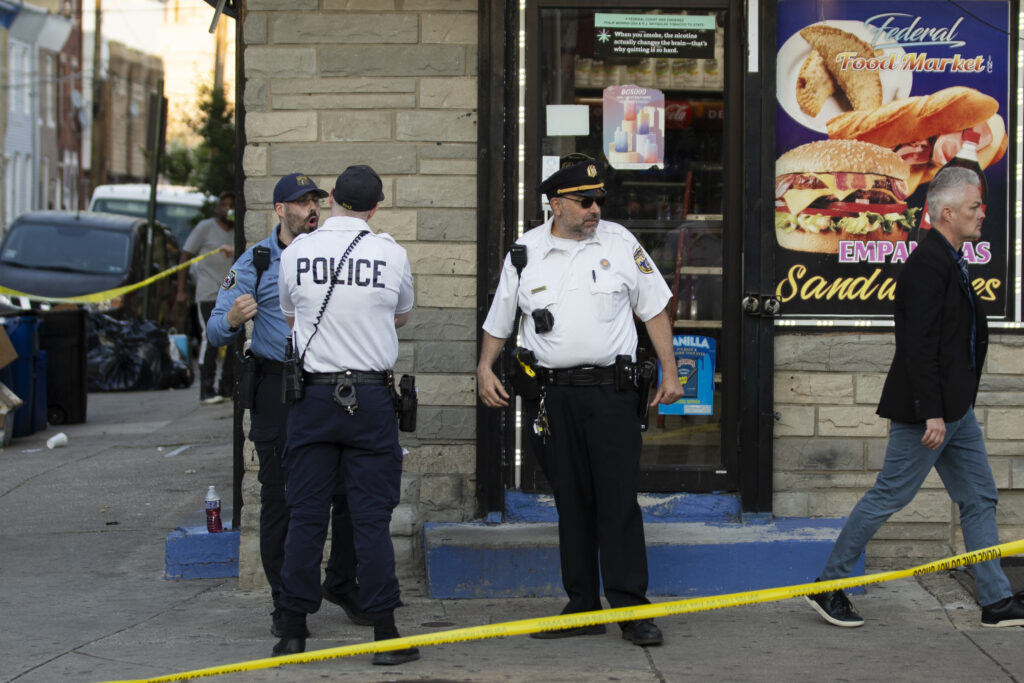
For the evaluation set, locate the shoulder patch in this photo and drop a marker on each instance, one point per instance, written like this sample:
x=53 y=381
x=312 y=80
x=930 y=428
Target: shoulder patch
x=640 y=257
x=229 y=280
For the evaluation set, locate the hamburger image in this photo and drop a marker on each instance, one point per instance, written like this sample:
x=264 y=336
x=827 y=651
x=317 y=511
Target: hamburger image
x=927 y=130
x=836 y=190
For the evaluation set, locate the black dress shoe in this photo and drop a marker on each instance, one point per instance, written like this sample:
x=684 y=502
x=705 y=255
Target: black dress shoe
x=348 y=602
x=277 y=624
x=289 y=646
x=589 y=630
x=642 y=632
x=393 y=657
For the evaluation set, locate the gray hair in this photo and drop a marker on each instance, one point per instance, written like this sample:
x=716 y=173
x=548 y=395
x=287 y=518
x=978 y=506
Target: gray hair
x=947 y=189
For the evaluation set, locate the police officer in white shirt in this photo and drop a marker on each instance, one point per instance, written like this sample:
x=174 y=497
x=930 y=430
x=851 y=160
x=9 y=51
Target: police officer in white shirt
x=583 y=281
x=344 y=290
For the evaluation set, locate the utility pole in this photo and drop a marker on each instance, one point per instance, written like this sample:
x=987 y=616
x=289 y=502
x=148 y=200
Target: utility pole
x=220 y=49
x=97 y=159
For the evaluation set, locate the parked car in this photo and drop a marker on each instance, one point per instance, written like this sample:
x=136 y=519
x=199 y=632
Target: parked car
x=70 y=253
x=178 y=207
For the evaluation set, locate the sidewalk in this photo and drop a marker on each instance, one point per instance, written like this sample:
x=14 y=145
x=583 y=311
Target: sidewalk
x=83 y=596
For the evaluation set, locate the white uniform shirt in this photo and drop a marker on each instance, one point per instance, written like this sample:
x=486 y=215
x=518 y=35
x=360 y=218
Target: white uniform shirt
x=592 y=288
x=357 y=331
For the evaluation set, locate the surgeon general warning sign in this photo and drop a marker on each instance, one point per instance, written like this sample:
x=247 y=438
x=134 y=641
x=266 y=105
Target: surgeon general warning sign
x=653 y=35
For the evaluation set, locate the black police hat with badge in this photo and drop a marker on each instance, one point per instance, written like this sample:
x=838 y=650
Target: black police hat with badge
x=577 y=174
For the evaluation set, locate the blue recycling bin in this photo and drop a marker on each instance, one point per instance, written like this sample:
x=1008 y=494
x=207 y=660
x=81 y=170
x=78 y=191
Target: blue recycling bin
x=21 y=376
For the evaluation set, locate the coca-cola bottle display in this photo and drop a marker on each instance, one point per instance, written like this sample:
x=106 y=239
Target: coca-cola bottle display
x=966 y=157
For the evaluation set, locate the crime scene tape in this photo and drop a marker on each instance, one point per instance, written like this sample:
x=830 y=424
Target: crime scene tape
x=661 y=609
x=107 y=295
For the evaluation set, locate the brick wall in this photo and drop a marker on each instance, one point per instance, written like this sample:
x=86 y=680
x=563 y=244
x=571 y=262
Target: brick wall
x=830 y=444
x=390 y=83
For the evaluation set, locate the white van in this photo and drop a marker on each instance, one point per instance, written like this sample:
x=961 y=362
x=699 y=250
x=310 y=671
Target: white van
x=177 y=206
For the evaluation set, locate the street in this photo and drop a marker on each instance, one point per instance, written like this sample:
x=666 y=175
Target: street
x=84 y=598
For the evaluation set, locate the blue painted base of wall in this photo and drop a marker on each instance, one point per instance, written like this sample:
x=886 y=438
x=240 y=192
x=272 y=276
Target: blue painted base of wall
x=191 y=552
x=696 y=545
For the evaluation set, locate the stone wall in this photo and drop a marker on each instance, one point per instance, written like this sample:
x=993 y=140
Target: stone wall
x=830 y=444
x=390 y=83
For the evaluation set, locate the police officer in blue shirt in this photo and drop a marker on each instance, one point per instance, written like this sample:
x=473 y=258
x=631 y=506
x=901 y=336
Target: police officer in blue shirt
x=250 y=292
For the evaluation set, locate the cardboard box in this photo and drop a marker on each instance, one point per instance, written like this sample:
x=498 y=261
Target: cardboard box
x=7 y=353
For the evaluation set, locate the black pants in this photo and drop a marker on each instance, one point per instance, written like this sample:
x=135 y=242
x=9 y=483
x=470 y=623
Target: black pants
x=268 y=435
x=208 y=359
x=592 y=461
x=324 y=444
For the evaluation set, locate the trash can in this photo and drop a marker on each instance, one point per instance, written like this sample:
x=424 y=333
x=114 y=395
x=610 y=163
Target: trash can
x=63 y=335
x=39 y=392
x=20 y=376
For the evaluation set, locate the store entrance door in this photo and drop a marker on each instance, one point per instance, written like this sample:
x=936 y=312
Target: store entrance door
x=652 y=91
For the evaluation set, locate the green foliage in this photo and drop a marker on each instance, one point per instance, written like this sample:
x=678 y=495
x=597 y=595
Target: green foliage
x=176 y=165
x=214 y=158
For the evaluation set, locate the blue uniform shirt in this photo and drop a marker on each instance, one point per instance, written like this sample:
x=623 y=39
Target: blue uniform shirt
x=269 y=330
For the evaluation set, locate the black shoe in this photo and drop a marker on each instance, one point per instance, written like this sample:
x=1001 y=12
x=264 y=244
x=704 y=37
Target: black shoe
x=590 y=630
x=277 y=624
x=835 y=608
x=1006 y=612
x=289 y=646
x=348 y=602
x=394 y=657
x=642 y=632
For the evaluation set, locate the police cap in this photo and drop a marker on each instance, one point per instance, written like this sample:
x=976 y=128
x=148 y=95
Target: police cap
x=293 y=186
x=358 y=188
x=577 y=174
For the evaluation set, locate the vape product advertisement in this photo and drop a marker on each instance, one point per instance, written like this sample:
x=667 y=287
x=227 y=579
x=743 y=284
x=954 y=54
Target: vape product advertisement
x=695 y=364
x=634 y=127
x=873 y=99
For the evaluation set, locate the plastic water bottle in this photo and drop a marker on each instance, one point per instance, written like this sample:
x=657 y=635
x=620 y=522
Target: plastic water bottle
x=213 y=524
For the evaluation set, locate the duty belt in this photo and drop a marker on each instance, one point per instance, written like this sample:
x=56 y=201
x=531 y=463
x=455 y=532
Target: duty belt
x=583 y=376
x=352 y=376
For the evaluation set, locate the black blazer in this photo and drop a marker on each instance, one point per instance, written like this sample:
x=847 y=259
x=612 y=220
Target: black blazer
x=931 y=374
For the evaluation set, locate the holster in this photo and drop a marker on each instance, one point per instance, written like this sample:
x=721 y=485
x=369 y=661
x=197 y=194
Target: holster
x=525 y=381
x=245 y=379
x=406 y=403
x=292 y=389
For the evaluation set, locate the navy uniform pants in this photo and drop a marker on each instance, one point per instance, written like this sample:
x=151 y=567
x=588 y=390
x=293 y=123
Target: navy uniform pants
x=324 y=444
x=268 y=435
x=592 y=461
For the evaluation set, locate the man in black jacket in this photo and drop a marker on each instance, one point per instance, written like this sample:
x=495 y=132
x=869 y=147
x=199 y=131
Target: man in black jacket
x=929 y=394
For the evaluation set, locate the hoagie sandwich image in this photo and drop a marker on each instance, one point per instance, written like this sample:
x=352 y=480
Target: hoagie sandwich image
x=833 y=190
x=926 y=131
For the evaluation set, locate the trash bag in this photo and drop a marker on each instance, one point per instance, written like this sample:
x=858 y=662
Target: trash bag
x=131 y=355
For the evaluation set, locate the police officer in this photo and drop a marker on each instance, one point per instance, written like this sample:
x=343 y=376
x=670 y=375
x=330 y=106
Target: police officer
x=583 y=281
x=344 y=290
x=249 y=292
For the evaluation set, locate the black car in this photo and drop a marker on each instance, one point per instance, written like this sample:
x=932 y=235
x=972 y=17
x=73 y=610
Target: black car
x=71 y=253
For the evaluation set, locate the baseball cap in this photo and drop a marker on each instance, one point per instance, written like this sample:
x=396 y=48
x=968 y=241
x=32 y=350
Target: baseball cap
x=293 y=186
x=358 y=188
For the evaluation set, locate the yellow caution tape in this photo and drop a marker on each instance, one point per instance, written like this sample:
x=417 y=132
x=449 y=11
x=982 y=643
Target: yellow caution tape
x=661 y=609
x=100 y=297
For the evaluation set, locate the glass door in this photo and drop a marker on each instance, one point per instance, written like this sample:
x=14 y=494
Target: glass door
x=644 y=88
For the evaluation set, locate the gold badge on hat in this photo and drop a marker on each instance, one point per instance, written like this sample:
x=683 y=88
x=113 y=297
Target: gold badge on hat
x=301 y=180
x=592 y=171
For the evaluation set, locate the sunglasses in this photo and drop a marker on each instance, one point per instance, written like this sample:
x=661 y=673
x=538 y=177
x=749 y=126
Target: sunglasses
x=586 y=202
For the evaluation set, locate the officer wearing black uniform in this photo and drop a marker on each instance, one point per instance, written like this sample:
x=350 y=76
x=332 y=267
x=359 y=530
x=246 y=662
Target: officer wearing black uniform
x=583 y=281
x=344 y=290
x=249 y=292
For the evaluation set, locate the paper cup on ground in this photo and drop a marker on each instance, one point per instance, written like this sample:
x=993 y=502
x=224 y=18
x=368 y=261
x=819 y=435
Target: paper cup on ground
x=57 y=440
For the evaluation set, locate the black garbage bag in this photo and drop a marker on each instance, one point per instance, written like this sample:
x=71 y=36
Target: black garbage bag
x=131 y=355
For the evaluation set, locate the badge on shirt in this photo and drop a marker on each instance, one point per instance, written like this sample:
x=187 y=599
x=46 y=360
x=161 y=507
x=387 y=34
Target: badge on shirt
x=641 y=261
x=229 y=280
